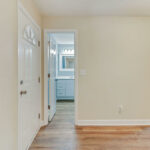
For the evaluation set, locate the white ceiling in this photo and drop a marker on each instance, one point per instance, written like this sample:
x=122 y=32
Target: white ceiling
x=94 y=7
x=63 y=38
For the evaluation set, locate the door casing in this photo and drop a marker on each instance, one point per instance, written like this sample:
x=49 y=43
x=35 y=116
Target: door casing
x=46 y=38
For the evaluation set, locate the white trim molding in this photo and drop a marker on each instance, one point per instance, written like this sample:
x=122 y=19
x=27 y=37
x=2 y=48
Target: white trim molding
x=112 y=122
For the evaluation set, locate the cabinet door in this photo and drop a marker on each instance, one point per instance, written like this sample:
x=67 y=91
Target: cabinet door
x=61 y=84
x=61 y=88
x=61 y=93
x=70 y=88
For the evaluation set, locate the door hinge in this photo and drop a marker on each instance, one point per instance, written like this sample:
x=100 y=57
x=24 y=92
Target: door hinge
x=39 y=80
x=39 y=116
x=21 y=82
x=49 y=75
x=49 y=107
x=39 y=43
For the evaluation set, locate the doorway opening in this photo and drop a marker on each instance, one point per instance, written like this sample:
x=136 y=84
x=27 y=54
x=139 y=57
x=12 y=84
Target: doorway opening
x=60 y=75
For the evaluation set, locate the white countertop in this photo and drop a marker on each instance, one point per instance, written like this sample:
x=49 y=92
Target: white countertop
x=65 y=78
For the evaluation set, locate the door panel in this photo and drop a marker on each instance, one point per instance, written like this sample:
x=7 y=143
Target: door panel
x=51 y=80
x=28 y=74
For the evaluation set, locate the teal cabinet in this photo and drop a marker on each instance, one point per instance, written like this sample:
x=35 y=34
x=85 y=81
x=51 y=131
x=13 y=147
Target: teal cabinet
x=65 y=89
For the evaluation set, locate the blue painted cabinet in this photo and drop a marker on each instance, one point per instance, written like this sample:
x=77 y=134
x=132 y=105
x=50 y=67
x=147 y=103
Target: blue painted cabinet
x=65 y=89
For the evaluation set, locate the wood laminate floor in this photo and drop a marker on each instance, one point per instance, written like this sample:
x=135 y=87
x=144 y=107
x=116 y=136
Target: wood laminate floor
x=61 y=134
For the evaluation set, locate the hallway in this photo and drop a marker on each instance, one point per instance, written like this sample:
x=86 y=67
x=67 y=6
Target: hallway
x=61 y=134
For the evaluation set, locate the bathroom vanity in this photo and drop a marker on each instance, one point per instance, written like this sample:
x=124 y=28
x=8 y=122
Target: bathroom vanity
x=65 y=89
x=65 y=73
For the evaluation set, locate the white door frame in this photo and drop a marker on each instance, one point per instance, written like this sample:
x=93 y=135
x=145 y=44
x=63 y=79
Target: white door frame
x=46 y=32
x=21 y=7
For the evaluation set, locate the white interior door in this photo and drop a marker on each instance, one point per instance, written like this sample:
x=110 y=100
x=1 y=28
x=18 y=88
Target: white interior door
x=52 y=77
x=29 y=81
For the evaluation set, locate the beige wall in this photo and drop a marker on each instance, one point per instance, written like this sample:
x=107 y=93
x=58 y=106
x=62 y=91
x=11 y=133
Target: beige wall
x=32 y=9
x=8 y=75
x=9 y=72
x=115 y=51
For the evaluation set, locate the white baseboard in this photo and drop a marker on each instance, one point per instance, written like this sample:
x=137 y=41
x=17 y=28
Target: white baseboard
x=112 y=122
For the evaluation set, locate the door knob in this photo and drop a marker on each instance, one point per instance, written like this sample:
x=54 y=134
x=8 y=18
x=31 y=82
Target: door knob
x=23 y=92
